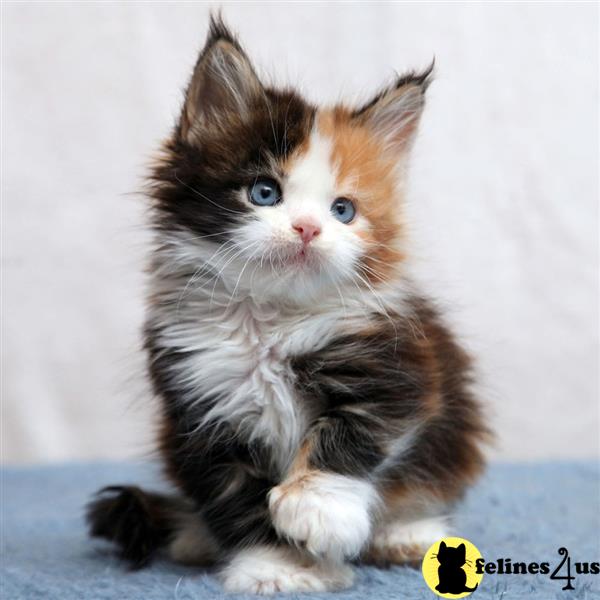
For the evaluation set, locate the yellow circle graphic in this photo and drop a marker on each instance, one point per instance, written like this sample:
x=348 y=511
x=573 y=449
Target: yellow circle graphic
x=449 y=568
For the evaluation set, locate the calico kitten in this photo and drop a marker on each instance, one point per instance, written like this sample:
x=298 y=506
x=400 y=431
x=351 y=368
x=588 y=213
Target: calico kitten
x=315 y=408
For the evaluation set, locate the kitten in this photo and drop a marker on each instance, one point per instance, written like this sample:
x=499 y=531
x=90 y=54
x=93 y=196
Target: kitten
x=315 y=408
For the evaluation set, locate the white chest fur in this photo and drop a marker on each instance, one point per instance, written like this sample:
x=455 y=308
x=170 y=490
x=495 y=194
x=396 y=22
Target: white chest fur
x=236 y=356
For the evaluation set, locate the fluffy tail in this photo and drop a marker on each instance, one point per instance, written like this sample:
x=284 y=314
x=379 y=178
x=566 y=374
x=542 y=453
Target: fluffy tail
x=140 y=522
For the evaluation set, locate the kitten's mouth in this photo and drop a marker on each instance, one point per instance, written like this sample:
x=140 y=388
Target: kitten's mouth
x=304 y=256
x=301 y=258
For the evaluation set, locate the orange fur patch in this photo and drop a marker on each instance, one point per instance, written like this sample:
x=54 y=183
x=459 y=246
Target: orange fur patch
x=366 y=175
x=400 y=498
x=406 y=554
x=300 y=466
x=299 y=472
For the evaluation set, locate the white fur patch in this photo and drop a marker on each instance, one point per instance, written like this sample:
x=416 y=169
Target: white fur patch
x=239 y=355
x=268 y=570
x=328 y=514
x=398 y=534
x=311 y=184
x=236 y=350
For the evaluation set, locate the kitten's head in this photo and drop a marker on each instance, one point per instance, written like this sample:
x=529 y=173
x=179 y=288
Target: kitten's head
x=276 y=196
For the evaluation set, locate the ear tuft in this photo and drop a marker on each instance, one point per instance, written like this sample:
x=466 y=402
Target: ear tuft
x=422 y=79
x=394 y=113
x=218 y=30
x=224 y=85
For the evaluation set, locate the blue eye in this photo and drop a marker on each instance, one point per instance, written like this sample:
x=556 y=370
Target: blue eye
x=343 y=210
x=265 y=192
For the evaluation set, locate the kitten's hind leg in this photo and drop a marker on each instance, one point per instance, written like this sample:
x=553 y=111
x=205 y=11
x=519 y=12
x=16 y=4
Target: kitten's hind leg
x=272 y=569
x=401 y=542
x=192 y=542
x=142 y=523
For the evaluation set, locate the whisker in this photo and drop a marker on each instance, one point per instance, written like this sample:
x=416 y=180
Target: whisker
x=384 y=310
x=239 y=253
x=197 y=274
x=240 y=275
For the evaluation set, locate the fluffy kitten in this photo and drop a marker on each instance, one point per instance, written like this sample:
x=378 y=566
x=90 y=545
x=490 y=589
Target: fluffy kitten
x=315 y=408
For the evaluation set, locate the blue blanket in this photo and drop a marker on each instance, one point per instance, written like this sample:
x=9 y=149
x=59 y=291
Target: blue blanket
x=522 y=512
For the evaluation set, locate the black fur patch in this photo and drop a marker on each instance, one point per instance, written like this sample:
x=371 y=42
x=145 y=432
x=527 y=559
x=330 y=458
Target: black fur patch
x=228 y=479
x=202 y=189
x=197 y=183
x=138 y=522
x=375 y=387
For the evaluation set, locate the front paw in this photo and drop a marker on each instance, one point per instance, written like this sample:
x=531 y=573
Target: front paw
x=328 y=514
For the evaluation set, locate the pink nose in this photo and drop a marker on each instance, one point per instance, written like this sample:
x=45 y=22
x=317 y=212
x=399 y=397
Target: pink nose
x=307 y=229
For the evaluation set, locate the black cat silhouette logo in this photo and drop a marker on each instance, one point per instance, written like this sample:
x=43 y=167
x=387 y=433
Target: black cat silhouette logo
x=449 y=568
x=453 y=579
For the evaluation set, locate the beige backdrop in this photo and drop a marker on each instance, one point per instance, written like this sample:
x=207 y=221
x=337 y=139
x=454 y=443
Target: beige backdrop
x=504 y=197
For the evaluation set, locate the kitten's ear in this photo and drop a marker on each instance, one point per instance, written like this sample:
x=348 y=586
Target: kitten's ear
x=223 y=86
x=394 y=113
x=442 y=546
x=462 y=549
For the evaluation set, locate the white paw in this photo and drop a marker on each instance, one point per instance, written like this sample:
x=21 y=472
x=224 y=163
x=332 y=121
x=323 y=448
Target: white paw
x=266 y=570
x=423 y=532
x=399 y=538
x=328 y=514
